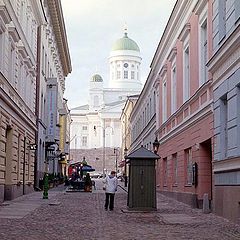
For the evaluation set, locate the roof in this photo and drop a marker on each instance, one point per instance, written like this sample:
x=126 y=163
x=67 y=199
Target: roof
x=125 y=43
x=83 y=107
x=96 y=78
x=141 y=153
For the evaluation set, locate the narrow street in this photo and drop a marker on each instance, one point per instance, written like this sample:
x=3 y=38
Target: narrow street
x=81 y=215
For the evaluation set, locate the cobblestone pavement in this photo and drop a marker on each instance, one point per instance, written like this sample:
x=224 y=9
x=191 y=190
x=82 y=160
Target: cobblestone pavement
x=81 y=215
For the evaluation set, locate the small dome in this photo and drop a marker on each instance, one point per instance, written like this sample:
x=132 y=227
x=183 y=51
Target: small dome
x=97 y=78
x=125 y=43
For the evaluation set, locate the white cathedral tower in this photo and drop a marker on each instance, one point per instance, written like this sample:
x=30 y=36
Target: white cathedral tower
x=96 y=127
x=125 y=61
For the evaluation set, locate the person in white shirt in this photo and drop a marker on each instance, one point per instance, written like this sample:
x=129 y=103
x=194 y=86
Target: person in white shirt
x=110 y=187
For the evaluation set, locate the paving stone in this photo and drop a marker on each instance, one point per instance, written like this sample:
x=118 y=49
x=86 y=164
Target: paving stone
x=80 y=215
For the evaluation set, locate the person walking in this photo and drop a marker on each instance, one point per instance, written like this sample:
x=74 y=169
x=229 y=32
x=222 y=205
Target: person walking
x=110 y=187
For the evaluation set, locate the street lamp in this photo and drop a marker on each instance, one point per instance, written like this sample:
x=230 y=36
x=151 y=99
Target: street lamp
x=115 y=152
x=156 y=145
x=104 y=136
x=125 y=167
x=51 y=154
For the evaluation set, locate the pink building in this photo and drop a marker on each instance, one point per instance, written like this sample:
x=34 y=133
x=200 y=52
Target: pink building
x=184 y=123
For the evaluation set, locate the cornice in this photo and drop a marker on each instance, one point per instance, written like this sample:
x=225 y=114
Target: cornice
x=229 y=49
x=200 y=6
x=13 y=32
x=38 y=12
x=21 y=49
x=56 y=14
x=185 y=31
x=172 y=54
x=4 y=13
x=163 y=70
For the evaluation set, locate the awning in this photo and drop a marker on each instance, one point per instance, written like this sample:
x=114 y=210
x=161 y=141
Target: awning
x=87 y=168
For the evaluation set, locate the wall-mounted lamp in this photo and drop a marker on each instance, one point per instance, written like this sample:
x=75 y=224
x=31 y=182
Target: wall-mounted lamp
x=156 y=145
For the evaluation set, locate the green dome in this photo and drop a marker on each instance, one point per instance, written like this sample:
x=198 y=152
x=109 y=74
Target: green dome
x=97 y=78
x=125 y=43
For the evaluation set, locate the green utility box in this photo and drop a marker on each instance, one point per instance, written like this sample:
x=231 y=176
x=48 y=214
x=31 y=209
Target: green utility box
x=142 y=180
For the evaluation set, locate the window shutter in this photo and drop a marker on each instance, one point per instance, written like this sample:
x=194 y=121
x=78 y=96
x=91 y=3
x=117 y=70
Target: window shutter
x=222 y=19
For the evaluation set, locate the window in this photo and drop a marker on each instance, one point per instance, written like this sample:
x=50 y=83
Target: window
x=223 y=122
x=132 y=75
x=186 y=75
x=125 y=74
x=84 y=141
x=84 y=128
x=175 y=168
x=174 y=90
x=11 y=66
x=237 y=9
x=164 y=101
x=188 y=161
x=203 y=53
x=1 y=50
x=222 y=19
x=96 y=101
x=165 y=172
x=118 y=74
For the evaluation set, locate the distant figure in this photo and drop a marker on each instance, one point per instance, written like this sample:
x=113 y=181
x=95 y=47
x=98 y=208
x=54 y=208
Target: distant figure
x=88 y=180
x=110 y=187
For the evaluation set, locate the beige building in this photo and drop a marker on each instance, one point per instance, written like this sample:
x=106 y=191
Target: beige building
x=34 y=62
x=19 y=21
x=126 y=129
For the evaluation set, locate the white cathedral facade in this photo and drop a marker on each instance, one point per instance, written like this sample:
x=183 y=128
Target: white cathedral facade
x=96 y=126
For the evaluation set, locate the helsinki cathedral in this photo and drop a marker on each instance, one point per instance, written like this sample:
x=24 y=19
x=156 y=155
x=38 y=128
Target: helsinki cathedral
x=97 y=125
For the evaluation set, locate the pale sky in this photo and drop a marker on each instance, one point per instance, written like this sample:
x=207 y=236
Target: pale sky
x=94 y=25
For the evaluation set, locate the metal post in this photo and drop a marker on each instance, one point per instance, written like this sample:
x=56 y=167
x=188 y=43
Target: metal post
x=116 y=163
x=45 y=178
x=24 y=163
x=45 y=184
x=125 y=167
x=103 y=148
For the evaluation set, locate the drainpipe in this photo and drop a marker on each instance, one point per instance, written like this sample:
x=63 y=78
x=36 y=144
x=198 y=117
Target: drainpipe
x=24 y=163
x=37 y=104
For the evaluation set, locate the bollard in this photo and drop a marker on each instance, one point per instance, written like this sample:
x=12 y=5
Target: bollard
x=206 y=208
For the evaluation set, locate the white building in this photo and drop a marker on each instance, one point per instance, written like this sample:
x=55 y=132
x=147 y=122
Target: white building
x=97 y=125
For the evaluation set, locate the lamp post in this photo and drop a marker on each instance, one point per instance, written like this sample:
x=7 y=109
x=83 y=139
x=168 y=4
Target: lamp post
x=125 y=167
x=104 y=136
x=116 y=150
x=156 y=145
x=50 y=154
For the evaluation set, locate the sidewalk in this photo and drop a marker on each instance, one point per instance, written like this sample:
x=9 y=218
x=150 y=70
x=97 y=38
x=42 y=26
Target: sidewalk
x=81 y=215
x=21 y=206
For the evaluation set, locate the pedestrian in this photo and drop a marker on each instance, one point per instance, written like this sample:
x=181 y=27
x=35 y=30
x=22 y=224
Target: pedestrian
x=110 y=187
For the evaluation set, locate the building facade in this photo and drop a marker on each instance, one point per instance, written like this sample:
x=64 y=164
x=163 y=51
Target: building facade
x=19 y=22
x=176 y=105
x=185 y=123
x=54 y=65
x=96 y=127
x=225 y=68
